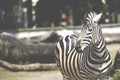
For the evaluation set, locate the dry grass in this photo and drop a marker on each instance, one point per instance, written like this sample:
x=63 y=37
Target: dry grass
x=112 y=48
x=44 y=75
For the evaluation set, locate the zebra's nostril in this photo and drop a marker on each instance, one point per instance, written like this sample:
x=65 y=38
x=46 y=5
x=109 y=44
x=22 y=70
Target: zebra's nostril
x=90 y=29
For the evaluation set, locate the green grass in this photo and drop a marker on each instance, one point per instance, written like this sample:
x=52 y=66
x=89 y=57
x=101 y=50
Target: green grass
x=116 y=76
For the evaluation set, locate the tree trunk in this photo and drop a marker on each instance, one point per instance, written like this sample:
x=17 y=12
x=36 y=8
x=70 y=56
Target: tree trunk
x=15 y=51
x=29 y=67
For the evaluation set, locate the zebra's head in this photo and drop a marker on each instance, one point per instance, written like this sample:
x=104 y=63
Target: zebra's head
x=90 y=32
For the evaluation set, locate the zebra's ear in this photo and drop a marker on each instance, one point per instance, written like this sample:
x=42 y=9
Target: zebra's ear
x=97 y=17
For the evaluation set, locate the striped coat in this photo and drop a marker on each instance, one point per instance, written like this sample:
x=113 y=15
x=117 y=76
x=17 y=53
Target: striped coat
x=85 y=58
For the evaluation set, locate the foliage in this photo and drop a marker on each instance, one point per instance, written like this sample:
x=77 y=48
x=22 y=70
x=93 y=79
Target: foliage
x=21 y=12
x=116 y=76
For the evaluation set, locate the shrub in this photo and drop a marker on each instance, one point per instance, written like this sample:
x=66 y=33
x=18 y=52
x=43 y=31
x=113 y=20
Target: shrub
x=116 y=76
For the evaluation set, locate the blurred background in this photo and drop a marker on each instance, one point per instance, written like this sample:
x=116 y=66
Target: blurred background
x=30 y=29
x=43 y=13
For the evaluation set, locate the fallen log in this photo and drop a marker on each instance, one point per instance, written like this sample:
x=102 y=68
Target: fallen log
x=28 y=67
x=15 y=51
x=112 y=38
x=52 y=37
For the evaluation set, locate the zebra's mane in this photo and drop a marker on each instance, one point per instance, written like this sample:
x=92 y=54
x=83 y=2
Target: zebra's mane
x=92 y=17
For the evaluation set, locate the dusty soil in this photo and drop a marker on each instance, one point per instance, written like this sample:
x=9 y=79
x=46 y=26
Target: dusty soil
x=38 y=75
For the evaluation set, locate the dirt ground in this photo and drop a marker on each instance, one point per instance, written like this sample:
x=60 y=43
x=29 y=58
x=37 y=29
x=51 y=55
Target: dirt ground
x=44 y=75
x=38 y=75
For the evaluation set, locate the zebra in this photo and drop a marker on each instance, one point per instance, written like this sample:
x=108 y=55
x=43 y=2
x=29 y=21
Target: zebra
x=84 y=57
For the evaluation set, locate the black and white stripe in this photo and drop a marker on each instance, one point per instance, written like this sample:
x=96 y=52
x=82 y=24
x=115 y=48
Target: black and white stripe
x=93 y=62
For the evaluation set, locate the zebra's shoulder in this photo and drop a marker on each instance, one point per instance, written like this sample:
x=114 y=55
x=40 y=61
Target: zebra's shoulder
x=68 y=39
x=71 y=37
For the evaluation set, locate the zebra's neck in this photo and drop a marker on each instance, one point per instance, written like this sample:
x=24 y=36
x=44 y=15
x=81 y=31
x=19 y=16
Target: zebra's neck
x=99 y=48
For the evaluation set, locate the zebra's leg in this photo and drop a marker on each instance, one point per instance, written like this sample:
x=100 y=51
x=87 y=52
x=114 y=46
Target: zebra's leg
x=65 y=78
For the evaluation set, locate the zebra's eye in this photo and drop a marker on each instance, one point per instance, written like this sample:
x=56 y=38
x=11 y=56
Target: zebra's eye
x=95 y=22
